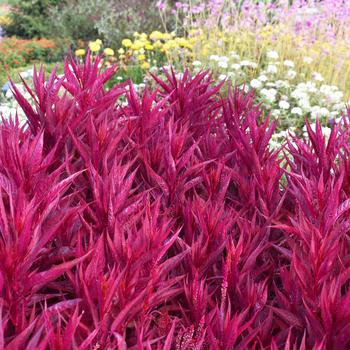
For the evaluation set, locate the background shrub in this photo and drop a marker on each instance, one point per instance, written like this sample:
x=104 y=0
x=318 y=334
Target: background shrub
x=122 y=18
x=29 y=18
x=16 y=53
x=76 y=21
x=109 y=20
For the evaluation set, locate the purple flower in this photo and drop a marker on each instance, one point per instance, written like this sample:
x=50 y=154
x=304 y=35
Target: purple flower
x=161 y=5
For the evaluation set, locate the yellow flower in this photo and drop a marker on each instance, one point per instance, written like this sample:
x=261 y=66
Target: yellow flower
x=5 y=20
x=144 y=36
x=149 y=47
x=137 y=45
x=108 y=51
x=127 y=42
x=80 y=52
x=145 y=65
x=167 y=36
x=98 y=41
x=121 y=51
x=141 y=57
x=94 y=46
x=158 y=44
x=156 y=35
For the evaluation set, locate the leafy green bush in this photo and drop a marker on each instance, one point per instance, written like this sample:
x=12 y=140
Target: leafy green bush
x=28 y=18
x=109 y=20
x=76 y=20
x=122 y=18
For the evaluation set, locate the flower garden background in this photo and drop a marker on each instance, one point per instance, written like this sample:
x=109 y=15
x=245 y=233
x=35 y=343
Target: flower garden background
x=174 y=174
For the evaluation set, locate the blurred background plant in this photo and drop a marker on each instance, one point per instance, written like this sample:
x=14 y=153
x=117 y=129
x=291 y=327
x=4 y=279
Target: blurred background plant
x=78 y=21
x=17 y=53
x=316 y=29
x=29 y=18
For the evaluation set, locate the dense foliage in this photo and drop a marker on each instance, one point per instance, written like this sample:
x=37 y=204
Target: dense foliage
x=75 y=21
x=15 y=54
x=164 y=221
x=29 y=18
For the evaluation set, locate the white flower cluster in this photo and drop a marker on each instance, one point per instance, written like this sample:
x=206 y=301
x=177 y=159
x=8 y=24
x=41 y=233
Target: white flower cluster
x=279 y=87
x=9 y=106
x=282 y=90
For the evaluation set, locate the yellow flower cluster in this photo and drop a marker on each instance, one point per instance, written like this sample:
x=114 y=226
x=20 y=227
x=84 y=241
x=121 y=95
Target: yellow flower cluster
x=146 y=48
x=5 y=20
x=80 y=52
x=95 y=47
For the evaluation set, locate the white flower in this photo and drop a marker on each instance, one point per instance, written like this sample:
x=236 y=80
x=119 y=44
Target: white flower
x=291 y=74
x=271 y=68
x=326 y=131
x=223 y=58
x=244 y=87
x=263 y=78
x=281 y=84
x=284 y=104
x=297 y=110
x=222 y=64
x=337 y=96
x=315 y=110
x=307 y=60
x=289 y=63
x=196 y=63
x=24 y=74
x=222 y=76
x=317 y=76
x=276 y=113
x=256 y=84
x=272 y=55
x=304 y=103
x=323 y=112
x=246 y=63
x=269 y=94
x=236 y=66
x=325 y=89
x=339 y=106
x=214 y=58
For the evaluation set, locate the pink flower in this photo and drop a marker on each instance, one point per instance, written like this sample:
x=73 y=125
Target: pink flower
x=161 y=5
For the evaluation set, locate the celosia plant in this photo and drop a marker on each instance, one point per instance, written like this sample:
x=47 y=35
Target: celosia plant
x=165 y=221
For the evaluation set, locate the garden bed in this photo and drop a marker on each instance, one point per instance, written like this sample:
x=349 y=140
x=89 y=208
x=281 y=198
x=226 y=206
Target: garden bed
x=178 y=189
